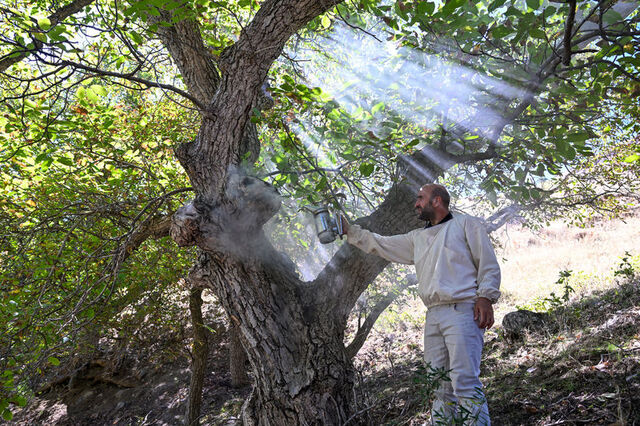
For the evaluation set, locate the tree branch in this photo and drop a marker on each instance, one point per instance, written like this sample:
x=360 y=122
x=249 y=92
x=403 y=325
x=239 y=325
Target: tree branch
x=55 y=18
x=502 y=216
x=135 y=79
x=568 y=32
x=186 y=47
x=363 y=332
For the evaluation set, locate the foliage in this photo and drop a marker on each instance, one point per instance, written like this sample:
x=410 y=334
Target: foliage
x=625 y=268
x=506 y=119
x=428 y=379
x=76 y=196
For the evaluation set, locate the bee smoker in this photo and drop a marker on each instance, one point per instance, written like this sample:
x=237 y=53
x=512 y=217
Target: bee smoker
x=327 y=227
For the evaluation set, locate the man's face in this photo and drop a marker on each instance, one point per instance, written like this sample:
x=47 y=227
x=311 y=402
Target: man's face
x=424 y=204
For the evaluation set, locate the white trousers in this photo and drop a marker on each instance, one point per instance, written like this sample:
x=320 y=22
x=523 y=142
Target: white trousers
x=453 y=342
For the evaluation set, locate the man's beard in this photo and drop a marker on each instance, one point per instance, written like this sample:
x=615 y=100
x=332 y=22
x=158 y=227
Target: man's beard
x=427 y=214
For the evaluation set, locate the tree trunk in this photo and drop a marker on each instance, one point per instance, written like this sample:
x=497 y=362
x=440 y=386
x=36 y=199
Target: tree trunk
x=237 y=359
x=301 y=371
x=200 y=351
x=292 y=332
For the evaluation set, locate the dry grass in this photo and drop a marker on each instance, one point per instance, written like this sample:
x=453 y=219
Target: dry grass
x=532 y=260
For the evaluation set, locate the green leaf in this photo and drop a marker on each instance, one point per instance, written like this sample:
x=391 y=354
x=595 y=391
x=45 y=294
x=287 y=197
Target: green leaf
x=577 y=137
x=81 y=93
x=53 y=361
x=7 y=415
x=496 y=4
x=425 y=9
x=377 y=107
x=325 y=21
x=366 y=169
x=322 y=184
x=40 y=158
x=451 y=6
x=20 y=401
x=137 y=38
x=492 y=196
x=91 y=95
x=501 y=31
x=533 y=4
x=44 y=23
x=632 y=158
x=537 y=33
x=99 y=90
x=570 y=153
x=612 y=17
x=40 y=36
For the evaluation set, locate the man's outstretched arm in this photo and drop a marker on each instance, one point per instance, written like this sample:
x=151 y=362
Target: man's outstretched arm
x=395 y=248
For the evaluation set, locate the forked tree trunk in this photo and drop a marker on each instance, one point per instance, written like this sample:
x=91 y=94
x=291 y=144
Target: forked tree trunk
x=292 y=331
x=301 y=371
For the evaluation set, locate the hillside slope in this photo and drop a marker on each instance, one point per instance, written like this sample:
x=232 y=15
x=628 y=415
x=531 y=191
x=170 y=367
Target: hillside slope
x=583 y=368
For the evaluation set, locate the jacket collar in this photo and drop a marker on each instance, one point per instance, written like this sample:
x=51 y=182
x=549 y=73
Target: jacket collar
x=447 y=218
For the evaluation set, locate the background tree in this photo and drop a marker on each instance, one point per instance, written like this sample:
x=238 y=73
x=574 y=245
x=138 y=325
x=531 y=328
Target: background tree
x=516 y=91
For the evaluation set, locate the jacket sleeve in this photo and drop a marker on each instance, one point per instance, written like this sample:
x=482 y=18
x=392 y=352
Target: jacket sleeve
x=484 y=258
x=395 y=248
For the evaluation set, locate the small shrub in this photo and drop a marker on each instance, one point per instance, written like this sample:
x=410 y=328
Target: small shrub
x=428 y=379
x=553 y=301
x=625 y=268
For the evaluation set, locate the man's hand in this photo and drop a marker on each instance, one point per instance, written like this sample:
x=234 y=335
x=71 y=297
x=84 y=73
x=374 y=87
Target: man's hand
x=483 y=312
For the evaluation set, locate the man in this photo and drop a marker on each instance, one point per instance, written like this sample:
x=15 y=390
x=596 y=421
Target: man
x=459 y=280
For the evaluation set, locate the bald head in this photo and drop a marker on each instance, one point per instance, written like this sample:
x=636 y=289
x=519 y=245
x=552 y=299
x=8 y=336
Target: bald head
x=436 y=190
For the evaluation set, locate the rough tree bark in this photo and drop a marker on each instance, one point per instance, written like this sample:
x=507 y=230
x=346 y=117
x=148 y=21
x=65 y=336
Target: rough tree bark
x=292 y=331
x=237 y=359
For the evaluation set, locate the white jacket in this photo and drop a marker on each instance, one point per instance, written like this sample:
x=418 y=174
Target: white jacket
x=454 y=260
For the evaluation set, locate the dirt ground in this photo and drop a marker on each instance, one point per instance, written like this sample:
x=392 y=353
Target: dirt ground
x=584 y=369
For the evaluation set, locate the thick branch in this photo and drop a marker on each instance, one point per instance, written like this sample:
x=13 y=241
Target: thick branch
x=197 y=67
x=502 y=216
x=244 y=67
x=227 y=227
x=200 y=350
x=350 y=271
x=155 y=227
